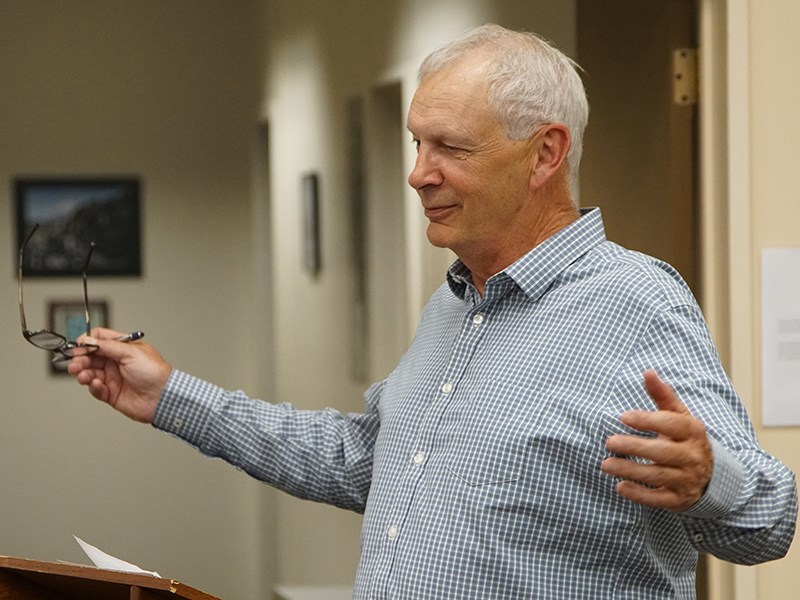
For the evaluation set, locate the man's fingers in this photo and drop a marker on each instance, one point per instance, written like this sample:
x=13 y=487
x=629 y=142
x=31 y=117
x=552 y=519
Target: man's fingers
x=655 y=485
x=659 y=450
x=662 y=393
x=656 y=498
x=651 y=475
x=676 y=426
x=98 y=389
x=103 y=333
x=90 y=370
x=110 y=347
x=669 y=470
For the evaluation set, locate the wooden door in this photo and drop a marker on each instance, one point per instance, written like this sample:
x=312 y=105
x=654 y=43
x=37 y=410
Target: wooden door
x=640 y=152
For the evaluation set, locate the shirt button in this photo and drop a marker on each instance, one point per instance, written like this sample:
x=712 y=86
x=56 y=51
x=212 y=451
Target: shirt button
x=698 y=538
x=447 y=387
x=177 y=423
x=478 y=319
x=392 y=532
x=419 y=458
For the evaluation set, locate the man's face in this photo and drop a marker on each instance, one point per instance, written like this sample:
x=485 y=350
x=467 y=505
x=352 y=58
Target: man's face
x=473 y=182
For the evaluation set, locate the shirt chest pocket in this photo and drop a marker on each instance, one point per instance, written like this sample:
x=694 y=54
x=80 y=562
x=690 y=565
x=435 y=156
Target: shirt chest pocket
x=485 y=437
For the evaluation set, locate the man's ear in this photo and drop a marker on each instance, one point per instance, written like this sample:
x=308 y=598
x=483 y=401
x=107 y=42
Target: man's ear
x=550 y=155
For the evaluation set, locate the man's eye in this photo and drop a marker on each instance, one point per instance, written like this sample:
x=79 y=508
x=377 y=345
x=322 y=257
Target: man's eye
x=416 y=144
x=456 y=150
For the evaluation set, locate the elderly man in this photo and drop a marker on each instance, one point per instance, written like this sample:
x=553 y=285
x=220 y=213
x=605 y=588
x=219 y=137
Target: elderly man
x=526 y=445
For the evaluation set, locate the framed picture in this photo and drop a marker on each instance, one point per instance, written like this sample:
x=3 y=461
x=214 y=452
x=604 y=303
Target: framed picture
x=67 y=318
x=73 y=213
x=312 y=256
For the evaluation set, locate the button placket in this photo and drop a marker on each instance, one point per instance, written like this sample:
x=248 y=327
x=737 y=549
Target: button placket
x=473 y=329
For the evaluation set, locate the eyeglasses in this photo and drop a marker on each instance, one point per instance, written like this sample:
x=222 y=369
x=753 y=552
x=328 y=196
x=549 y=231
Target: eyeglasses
x=62 y=349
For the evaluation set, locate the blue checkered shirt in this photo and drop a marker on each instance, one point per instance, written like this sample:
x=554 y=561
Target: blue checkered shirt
x=477 y=461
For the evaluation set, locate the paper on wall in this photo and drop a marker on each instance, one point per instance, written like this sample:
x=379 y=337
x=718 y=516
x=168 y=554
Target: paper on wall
x=780 y=336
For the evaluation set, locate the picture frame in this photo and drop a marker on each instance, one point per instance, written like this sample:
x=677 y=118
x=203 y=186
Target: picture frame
x=312 y=257
x=67 y=318
x=73 y=213
x=357 y=197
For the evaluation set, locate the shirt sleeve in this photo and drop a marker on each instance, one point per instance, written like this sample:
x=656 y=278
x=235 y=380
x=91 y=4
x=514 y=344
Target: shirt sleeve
x=749 y=510
x=325 y=456
x=749 y=525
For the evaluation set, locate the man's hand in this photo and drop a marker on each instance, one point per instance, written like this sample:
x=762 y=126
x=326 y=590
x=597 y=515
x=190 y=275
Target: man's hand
x=127 y=376
x=680 y=456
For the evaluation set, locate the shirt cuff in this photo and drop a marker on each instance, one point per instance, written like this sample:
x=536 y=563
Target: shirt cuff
x=723 y=490
x=185 y=407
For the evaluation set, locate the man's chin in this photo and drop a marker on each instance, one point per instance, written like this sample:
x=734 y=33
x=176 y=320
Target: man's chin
x=437 y=236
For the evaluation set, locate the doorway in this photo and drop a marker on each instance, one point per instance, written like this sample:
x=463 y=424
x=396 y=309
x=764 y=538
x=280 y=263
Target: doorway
x=641 y=159
x=640 y=152
x=387 y=313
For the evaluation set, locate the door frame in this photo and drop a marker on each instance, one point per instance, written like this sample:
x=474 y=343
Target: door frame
x=726 y=233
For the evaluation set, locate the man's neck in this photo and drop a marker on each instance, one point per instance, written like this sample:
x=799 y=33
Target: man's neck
x=484 y=266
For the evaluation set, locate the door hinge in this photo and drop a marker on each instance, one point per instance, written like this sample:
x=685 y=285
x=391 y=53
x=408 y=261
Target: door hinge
x=684 y=76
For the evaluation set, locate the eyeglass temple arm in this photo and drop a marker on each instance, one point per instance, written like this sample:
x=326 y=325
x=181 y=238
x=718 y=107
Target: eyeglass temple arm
x=86 y=291
x=22 y=319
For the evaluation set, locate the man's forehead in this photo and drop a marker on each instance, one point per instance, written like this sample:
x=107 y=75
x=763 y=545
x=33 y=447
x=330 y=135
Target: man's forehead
x=448 y=100
x=468 y=70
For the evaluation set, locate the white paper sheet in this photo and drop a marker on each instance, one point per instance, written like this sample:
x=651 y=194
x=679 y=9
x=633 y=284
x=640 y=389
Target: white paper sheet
x=106 y=561
x=780 y=336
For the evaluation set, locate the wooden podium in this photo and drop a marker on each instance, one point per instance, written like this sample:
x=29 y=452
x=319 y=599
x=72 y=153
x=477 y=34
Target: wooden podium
x=23 y=579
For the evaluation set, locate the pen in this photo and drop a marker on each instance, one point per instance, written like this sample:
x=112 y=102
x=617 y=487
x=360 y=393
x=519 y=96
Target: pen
x=131 y=337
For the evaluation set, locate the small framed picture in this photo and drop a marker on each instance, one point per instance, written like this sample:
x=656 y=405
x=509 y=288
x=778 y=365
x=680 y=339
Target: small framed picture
x=312 y=252
x=71 y=214
x=68 y=318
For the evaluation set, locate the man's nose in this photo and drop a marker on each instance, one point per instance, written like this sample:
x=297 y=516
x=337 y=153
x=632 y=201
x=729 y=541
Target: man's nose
x=426 y=170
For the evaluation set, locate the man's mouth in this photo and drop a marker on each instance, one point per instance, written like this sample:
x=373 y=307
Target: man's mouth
x=437 y=213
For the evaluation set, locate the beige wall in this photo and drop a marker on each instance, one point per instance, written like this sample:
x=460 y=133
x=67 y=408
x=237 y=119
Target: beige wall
x=171 y=92
x=757 y=32
x=176 y=92
x=166 y=91
x=320 y=55
x=774 y=219
x=750 y=132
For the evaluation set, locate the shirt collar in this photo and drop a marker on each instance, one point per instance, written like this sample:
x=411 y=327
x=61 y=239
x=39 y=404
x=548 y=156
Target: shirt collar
x=535 y=271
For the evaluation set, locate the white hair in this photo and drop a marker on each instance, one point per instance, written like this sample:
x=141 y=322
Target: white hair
x=530 y=83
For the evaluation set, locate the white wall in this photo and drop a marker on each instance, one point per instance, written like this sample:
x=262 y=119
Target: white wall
x=166 y=91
